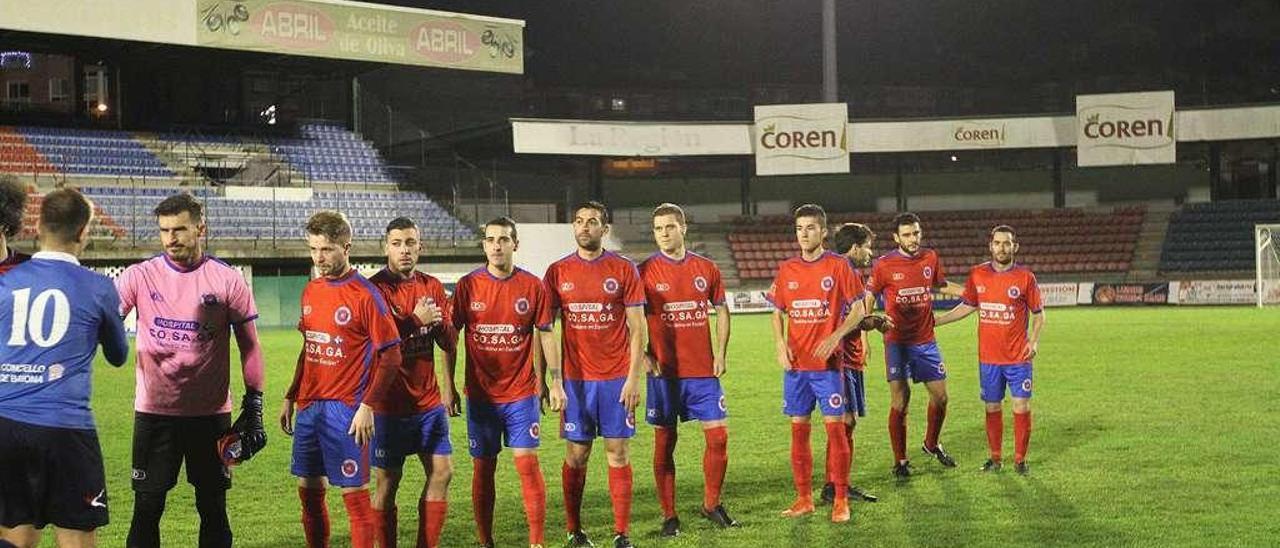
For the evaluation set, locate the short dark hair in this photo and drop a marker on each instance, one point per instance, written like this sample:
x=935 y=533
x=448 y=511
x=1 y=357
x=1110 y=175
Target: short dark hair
x=400 y=223
x=64 y=213
x=1004 y=228
x=178 y=203
x=13 y=204
x=504 y=221
x=851 y=234
x=811 y=210
x=668 y=208
x=330 y=224
x=903 y=219
x=592 y=204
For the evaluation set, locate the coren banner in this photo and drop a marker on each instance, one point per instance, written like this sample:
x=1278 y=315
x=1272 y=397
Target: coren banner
x=363 y=32
x=1117 y=129
x=796 y=139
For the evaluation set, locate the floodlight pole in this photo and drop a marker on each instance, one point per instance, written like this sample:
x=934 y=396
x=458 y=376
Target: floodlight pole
x=829 y=51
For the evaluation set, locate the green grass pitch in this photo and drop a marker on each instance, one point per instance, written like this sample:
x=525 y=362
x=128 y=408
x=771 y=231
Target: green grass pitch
x=1153 y=426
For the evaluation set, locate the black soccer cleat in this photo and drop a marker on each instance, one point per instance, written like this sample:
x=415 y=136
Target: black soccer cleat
x=902 y=470
x=719 y=517
x=578 y=539
x=1020 y=467
x=859 y=494
x=992 y=465
x=670 y=527
x=621 y=541
x=941 y=455
x=828 y=493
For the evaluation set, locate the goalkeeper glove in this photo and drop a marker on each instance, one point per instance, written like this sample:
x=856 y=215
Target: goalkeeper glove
x=247 y=435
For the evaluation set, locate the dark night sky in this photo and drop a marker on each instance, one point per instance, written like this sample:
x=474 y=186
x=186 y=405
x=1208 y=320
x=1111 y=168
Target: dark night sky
x=887 y=42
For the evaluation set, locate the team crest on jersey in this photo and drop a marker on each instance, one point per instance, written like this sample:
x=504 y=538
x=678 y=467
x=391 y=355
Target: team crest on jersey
x=827 y=283
x=928 y=271
x=157 y=297
x=477 y=306
x=835 y=401
x=209 y=299
x=55 y=371
x=610 y=285
x=566 y=286
x=350 y=468
x=535 y=431
x=342 y=316
x=522 y=306
x=700 y=283
x=1014 y=292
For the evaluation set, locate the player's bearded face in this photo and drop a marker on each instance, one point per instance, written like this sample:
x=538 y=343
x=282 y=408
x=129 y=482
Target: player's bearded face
x=180 y=235
x=809 y=233
x=862 y=254
x=668 y=233
x=403 y=249
x=589 y=229
x=1003 y=248
x=908 y=237
x=329 y=257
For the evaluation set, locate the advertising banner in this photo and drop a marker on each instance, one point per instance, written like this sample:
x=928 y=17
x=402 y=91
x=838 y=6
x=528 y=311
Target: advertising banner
x=800 y=139
x=1130 y=294
x=1058 y=294
x=362 y=32
x=629 y=139
x=1120 y=129
x=741 y=302
x=1213 y=292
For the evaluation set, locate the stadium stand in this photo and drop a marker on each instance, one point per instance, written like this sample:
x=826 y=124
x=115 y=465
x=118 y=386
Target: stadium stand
x=77 y=152
x=1215 y=236
x=328 y=152
x=368 y=211
x=1057 y=241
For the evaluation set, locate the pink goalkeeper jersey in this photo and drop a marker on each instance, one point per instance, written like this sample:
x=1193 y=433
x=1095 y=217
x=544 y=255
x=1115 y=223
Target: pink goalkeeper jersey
x=184 y=331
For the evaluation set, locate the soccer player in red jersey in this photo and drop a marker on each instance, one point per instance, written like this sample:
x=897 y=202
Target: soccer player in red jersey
x=818 y=301
x=413 y=418
x=1004 y=293
x=507 y=316
x=13 y=205
x=906 y=278
x=599 y=298
x=683 y=289
x=349 y=361
x=855 y=242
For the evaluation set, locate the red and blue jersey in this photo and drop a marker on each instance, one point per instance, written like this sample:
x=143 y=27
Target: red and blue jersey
x=1005 y=300
x=593 y=297
x=681 y=296
x=906 y=284
x=500 y=316
x=816 y=296
x=345 y=323
x=415 y=389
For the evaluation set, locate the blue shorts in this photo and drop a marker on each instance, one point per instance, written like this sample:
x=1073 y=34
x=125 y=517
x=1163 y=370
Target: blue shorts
x=802 y=390
x=488 y=424
x=322 y=447
x=923 y=362
x=995 y=377
x=855 y=392
x=398 y=436
x=673 y=400
x=592 y=409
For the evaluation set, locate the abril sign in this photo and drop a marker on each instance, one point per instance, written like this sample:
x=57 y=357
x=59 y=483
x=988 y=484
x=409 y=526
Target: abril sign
x=798 y=139
x=1125 y=129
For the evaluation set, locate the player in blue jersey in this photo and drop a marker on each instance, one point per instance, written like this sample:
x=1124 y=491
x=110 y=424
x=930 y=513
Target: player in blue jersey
x=53 y=315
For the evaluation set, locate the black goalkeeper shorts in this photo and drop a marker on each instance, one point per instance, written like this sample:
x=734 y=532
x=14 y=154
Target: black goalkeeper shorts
x=162 y=443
